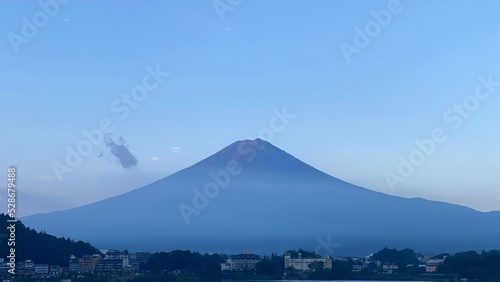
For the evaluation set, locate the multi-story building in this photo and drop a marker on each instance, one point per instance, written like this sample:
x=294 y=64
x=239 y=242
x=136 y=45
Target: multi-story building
x=306 y=264
x=433 y=264
x=88 y=263
x=225 y=266
x=26 y=267
x=42 y=269
x=244 y=261
x=110 y=265
x=135 y=259
x=390 y=268
x=139 y=257
x=73 y=264
x=55 y=270
x=118 y=254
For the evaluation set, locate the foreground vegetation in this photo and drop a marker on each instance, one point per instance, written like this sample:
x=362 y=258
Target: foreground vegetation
x=41 y=247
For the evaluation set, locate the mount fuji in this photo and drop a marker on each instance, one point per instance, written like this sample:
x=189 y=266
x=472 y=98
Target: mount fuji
x=253 y=195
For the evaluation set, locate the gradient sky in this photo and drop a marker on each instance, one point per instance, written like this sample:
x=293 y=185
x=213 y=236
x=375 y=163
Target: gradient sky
x=226 y=76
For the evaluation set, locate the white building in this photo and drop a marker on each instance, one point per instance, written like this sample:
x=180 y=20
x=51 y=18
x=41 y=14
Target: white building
x=390 y=268
x=226 y=265
x=357 y=268
x=73 y=264
x=242 y=262
x=433 y=264
x=304 y=264
x=26 y=268
x=118 y=254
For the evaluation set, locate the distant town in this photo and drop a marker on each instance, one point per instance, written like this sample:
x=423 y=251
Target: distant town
x=387 y=264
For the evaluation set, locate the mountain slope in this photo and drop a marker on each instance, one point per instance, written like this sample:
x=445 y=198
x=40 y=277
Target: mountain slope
x=252 y=195
x=40 y=247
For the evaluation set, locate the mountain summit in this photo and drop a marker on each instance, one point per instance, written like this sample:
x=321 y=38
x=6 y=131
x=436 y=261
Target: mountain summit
x=257 y=155
x=253 y=195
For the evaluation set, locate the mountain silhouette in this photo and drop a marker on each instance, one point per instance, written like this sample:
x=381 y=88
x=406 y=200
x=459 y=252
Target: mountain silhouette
x=253 y=195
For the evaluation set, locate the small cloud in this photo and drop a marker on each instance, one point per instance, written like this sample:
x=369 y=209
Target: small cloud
x=227 y=31
x=120 y=150
x=155 y=158
x=175 y=149
x=66 y=20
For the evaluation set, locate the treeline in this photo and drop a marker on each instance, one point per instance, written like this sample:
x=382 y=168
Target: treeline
x=206 y=267
x=471 y=265
x=484 y=266
x=39 y=246
x=177 y=265
x=195 y=266
x=406 y=260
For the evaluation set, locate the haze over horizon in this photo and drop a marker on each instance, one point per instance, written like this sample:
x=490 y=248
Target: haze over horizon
x=234 y=77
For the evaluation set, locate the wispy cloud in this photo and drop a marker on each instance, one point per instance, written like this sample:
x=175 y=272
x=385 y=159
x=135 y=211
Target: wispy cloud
x=175 y=149
x=227 y=31
x=155 y=158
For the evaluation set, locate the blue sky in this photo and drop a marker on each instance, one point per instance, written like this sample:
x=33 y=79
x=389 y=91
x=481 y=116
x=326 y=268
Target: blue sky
x=226 y=77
